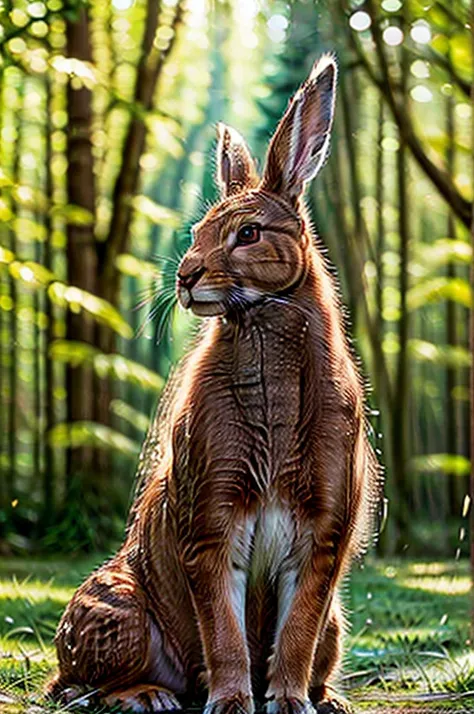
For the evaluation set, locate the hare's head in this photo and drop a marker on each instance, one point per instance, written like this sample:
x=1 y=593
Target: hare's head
x=253 y=244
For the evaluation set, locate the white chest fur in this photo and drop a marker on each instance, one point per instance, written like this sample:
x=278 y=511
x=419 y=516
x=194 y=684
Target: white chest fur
x=263 y=548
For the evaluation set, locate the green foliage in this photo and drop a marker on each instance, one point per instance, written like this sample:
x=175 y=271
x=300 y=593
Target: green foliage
x=429 y=257
x=77 y=300
x=73 y=215
x=136 y=267
x=36 y=276
x=441 y=288
x=443 y=355
x=86 y=433
x=124 y=411
x=447 y=463
x=160 y=215
x=116 y=366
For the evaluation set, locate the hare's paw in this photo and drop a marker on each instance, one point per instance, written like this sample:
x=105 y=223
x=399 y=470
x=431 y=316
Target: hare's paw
x=70 y=695
x=238 y=704
x=143 y=699
x=333 y=705
x=289 y=705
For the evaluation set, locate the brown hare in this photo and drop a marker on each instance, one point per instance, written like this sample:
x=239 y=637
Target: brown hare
x=262 y=483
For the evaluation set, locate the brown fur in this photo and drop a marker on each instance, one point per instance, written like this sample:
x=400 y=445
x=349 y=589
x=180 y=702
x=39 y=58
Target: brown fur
x=263 y=434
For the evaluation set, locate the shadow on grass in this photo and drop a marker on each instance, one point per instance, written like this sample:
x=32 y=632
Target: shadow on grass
x=407 y=638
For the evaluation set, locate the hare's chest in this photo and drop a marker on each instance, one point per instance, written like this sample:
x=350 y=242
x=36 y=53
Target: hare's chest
x=266 y=387
x=266 y=376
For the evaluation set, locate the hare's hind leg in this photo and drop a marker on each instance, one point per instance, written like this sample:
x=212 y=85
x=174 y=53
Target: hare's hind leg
x=326 y=664
x=107 y=643
x=143 y=698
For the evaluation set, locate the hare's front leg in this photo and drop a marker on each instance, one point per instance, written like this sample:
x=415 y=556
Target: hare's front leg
x=296 y=638
x=321 y=553
x=218 y=584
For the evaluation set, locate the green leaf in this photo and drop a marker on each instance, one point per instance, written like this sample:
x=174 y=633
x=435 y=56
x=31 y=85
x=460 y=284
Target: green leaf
x=29 y=230
x=156 y=213
x=461 y=51
x=434 y=290
x=72 y=352
x=30 y=197
x=126 y=370
x=136 y=267
x=431 y=256
x=6 y=256
x=88 y=433
x=164 y=133
x=448 y=463
x=37 y=276
x=30 y=273
x=74 y=215
x=137 y=419
x=106 y=365
x=439 y=142
x=5 y=180
x=77 y=300
x=444 y=355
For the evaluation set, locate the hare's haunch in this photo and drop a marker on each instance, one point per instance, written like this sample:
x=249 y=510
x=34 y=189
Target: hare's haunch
x=260 y=481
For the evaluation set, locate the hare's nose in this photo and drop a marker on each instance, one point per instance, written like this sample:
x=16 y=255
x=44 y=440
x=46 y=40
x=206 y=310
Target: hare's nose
x=189 y=280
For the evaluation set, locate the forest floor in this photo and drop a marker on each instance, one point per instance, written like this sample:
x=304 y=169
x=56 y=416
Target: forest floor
x=407 y=650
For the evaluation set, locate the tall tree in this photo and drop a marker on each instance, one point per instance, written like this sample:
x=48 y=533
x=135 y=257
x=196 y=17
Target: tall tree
x=81 y=248
x=92 y=264
x=49 y=473
x=400 y=421
x=13 y=366
x=471 y=342
x=452 y=412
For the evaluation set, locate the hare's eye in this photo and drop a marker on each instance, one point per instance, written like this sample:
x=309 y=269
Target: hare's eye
x=247 y=234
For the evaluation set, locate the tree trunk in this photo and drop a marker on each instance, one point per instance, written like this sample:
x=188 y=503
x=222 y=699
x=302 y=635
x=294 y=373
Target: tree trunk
x=149 y=70
x=4 y=325
x=81 y=249
x=38 y=357
x=400 y=419
x=452 y=411
x=380 y=238
x=12 y=405
x=49 y=473
x=471 y=342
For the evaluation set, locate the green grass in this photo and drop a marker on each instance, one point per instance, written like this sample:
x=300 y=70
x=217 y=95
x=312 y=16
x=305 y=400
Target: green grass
x=407 y=647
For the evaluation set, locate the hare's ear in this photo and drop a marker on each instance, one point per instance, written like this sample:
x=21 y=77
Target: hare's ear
x=235 y=167
x=301 y=141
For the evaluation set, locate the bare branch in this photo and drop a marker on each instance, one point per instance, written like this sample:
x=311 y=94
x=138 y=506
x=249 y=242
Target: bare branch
x=436 y=173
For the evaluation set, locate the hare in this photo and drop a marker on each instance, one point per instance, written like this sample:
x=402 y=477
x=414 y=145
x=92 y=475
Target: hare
x=261 y=491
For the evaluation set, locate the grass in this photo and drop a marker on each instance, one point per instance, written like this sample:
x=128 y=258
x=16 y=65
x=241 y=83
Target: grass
x=407 y=649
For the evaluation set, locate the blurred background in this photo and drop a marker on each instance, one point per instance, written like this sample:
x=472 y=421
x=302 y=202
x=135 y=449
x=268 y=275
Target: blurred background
x=107 y=118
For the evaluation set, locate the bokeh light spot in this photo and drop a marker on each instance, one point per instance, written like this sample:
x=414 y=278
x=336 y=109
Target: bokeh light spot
x=420 y=69
x=360 y=21
x=421 y=94
x=463 y=110
x=421 y=32
x=36 y=9
x=390 y=144
x=276 y=27
x=391 y=5
x=392 y=36
x=17 y=46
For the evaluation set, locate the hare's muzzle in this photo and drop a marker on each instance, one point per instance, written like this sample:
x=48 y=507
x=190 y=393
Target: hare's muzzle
x=185 y=282
x=189 y=280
